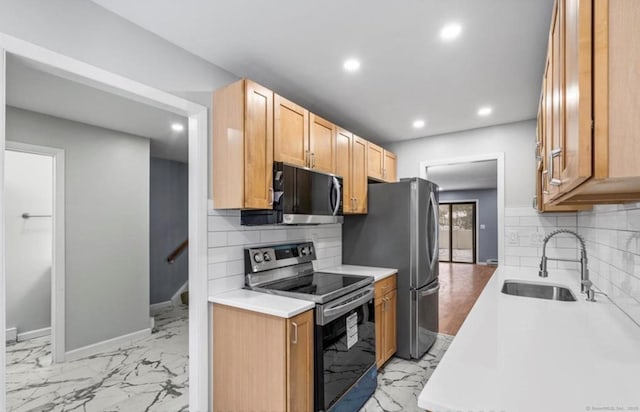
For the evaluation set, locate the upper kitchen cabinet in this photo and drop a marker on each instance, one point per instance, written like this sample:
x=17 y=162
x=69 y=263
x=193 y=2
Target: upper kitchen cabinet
x=291 y=133
x=590 y=119
x=351 y=164
x=302 y=138
x=375 y=159
x=322 y=144
x=390 y=169
x=381 y=164
x=242 y=146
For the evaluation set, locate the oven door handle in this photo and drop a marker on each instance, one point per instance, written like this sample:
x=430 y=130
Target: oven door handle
x=346 y=304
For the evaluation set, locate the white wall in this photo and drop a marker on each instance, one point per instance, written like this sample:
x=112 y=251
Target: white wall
x=107 y=224
x=85 y=31
x=28 y=188
x=227 y=240
x=516 y=140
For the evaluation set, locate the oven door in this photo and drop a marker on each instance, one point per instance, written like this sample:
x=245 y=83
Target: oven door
x=345 y=343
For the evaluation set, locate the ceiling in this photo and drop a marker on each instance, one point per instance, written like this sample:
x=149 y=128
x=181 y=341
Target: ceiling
x=31 y=87
x=465 y=176
x=407 y=72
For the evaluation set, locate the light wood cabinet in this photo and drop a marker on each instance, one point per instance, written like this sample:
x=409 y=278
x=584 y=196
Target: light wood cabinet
x=242 y=146
x=291 y=134
x=390 y=167
x=375 y=160
x=382 y=164
x=385 y=302
x=262 y=362
x=351 y=164
x=322 y=144
x=590 y=105
x=359 y=175
x=303 y=139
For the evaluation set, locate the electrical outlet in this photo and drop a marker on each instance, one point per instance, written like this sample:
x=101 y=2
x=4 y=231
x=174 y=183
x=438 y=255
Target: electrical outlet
x=512 y=238
x=537 y=238
x=482 y=227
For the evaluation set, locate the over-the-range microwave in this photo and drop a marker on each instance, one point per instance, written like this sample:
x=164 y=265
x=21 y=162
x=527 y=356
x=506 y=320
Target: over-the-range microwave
x=300 y=196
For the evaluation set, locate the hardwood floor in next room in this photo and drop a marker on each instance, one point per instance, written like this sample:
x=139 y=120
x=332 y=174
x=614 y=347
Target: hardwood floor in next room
x=460 y=286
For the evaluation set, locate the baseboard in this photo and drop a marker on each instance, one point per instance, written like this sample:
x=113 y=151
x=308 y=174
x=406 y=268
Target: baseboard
x=156 y=307
x=105 y=345
x=11 y=335
x=34 y=334
x=176 y=296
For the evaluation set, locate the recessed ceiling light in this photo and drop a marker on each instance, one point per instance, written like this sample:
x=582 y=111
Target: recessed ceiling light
x=485 y=111
x=177 y=127
x=450 y=31
x=351 y=65
x=418 y=124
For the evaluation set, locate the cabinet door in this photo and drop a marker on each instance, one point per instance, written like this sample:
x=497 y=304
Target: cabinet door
x=389 y=334
x=258 y=147
x=576 y=137
x=380 y=319
x=359 y=174
x=291 y=137
x=375 y=161
x=343 y=167
x=555 y=139
x=300 y=363
x=390 y=171
x=322 y=144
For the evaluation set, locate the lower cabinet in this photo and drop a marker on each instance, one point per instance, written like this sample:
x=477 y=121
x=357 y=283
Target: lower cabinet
x=386 y=295
x=262 y=362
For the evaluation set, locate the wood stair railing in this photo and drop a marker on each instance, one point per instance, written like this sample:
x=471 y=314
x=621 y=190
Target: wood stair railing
x=177 y=252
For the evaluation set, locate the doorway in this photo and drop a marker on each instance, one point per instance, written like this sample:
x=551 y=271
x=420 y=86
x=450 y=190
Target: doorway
x=458 y=238
x=34 y=247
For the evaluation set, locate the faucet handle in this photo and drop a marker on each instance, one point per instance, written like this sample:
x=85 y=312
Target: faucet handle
x=591 y=294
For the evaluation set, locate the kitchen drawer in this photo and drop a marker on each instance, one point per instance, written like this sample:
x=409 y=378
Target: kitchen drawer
x=384 y=286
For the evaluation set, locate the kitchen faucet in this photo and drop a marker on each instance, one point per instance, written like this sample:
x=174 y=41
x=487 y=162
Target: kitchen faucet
x=585 y=283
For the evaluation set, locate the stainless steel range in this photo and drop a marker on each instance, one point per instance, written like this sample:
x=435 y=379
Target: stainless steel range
x=344 y=339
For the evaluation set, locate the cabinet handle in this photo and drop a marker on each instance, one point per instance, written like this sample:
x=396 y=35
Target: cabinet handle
x=306 y=158
x=313 y=160
x=271 y=196
x=552 y=181
x=295 y=333
x=535 y=202
x=355 y=204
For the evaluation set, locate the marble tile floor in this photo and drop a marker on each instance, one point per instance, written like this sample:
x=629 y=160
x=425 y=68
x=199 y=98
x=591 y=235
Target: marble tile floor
x=150 y=374
x=401 y=381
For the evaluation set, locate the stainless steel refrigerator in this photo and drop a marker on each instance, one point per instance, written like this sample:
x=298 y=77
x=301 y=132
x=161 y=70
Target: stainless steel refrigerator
x=401 y=231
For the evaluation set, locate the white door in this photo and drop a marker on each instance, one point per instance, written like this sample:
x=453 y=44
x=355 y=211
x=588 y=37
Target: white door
x=28 y=189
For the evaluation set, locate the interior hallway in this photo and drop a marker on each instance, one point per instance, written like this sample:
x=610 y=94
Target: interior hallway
x=460 y=286
x=148 y=375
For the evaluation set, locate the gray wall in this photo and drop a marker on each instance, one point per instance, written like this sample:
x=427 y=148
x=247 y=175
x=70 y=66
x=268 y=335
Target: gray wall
x=516 y=140
x=487 y=214
x=169 y=218
x=107 y=224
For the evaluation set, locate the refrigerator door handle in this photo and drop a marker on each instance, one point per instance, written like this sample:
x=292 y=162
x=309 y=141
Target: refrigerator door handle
x=430 y=291
x=435 y=228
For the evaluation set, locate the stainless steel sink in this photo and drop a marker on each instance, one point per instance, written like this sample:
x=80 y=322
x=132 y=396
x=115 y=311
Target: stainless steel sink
x=537 y=290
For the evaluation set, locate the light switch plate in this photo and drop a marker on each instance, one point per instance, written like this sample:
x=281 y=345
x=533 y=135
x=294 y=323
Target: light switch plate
x=482 y=227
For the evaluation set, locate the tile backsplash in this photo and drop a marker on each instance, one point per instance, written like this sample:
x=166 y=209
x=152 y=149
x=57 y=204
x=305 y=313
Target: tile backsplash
x=612 y=235
x=227 y=240
x=525 y=230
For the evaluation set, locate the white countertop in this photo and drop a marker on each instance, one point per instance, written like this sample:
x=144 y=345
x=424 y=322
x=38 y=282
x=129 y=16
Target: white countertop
x=280 y=306
x=524 y=354
x=377 y=273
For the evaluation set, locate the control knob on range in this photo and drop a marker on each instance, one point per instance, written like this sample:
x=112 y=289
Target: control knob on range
x=306 y=250
x=257 y=257
x=266 y=256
